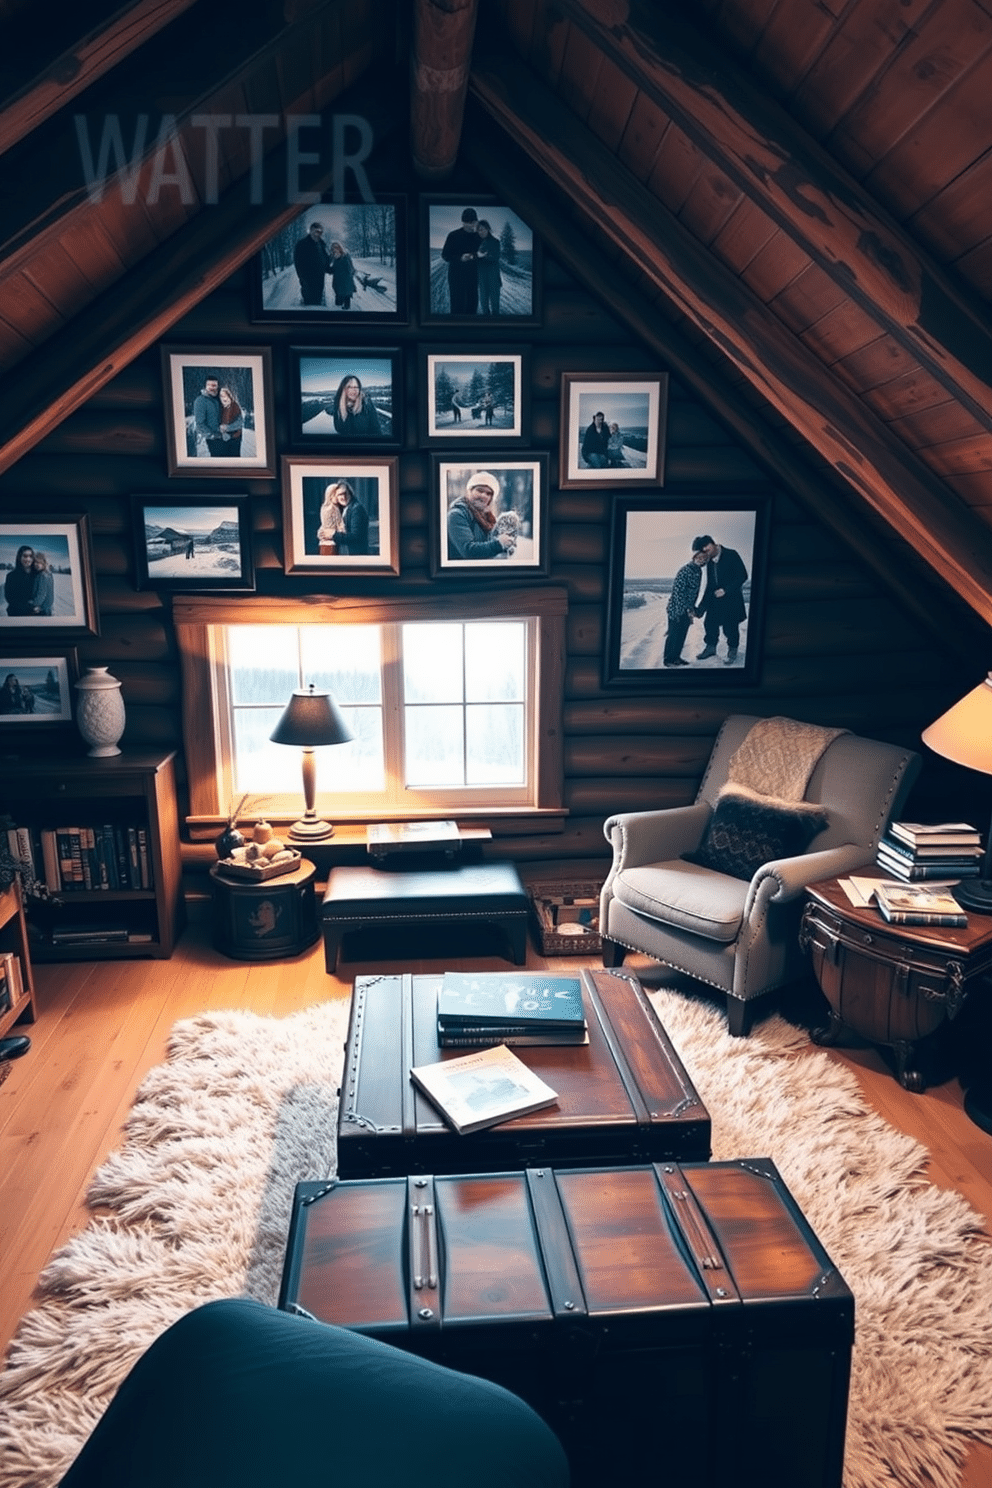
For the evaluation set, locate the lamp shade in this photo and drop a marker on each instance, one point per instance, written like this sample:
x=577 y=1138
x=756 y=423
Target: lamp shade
x=964 y=733
x=310 y=719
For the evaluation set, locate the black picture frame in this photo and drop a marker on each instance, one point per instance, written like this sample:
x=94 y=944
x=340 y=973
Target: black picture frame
x=43 y=697
x=375 y=234
x=309 y=547
x=455 y=384
x=521 y=483
x=519 y=267
x=66 y=542
x=316 y=377
x=187 y=372
x=651 y=540
x=184 y=544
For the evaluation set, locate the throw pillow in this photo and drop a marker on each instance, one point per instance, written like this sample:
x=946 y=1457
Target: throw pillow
x=745 y=832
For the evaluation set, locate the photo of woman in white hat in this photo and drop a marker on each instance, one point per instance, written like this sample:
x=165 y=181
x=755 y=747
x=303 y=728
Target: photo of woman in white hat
x=491 y=516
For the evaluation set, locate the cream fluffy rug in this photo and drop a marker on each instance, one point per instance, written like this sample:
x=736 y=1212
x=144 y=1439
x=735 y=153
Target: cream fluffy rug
x=196 y=1206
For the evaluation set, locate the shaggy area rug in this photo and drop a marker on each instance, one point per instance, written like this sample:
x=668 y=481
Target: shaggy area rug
x=197 y=1202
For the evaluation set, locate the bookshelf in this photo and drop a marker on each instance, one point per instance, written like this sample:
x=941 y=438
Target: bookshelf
x=131 y=906
x=14 y=937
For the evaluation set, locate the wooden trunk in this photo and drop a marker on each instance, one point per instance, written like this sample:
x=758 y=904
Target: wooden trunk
x=624 y=1097
x=681 y=1319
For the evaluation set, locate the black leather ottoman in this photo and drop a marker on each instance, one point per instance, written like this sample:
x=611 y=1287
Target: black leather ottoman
x=364 y=898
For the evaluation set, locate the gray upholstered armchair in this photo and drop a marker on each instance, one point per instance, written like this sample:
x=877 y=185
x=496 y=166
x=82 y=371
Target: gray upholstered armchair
x=741 y=934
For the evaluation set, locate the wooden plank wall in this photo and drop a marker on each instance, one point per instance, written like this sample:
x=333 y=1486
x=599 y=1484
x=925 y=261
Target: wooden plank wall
x=838 y=649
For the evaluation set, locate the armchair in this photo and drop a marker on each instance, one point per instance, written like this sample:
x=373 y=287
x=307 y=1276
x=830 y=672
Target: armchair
x=737 y=935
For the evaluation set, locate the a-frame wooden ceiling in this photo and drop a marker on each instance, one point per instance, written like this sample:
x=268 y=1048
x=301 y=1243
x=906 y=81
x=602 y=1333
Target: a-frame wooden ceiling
x=800 y=189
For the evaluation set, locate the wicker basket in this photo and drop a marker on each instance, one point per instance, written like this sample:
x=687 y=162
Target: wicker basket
x=555 y=907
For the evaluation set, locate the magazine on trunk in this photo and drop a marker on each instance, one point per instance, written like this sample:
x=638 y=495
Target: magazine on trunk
x=483 y=1089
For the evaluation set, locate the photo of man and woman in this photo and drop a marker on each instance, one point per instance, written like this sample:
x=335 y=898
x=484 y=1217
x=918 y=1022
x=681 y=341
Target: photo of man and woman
x=40 y=587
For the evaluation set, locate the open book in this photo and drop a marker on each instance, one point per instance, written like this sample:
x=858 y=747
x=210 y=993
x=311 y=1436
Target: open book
x=483 y=1089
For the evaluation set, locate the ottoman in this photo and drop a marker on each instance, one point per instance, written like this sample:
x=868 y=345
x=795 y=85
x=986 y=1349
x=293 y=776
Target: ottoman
x=363 y=898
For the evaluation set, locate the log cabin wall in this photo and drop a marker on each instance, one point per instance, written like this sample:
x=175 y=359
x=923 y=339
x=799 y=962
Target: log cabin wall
x=839 y=649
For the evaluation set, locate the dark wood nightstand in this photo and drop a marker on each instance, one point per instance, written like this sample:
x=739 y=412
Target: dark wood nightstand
x=893 y=984
x=267 y=920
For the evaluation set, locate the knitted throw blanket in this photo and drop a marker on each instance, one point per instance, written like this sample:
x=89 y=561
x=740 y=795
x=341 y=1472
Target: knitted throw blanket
x=777 y=756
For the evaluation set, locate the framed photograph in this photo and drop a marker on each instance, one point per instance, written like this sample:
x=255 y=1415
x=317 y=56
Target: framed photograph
x=200 y=542
x=490 y=516
x=335 y=261
x=686 y=592
x=341 y=516
x=343 y=398
x=218 y=411
x=613 y=429
x=36 y=686
x=479 y=263
x=47 y=568
x=475 y=396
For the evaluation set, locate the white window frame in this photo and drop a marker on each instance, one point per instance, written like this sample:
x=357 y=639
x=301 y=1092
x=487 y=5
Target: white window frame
x=205 y=736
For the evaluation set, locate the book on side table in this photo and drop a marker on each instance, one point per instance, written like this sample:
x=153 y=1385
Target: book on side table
x=919 y=904
x=483 y=1089
x=485 y=1008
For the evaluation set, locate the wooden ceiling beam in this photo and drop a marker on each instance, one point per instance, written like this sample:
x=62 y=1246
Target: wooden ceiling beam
x=76 y=67
x=804 y=189
x=889 y=477
x=443 y=31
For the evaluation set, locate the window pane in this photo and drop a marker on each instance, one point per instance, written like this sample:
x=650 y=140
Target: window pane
x=432 y=663
x=262 y=662
x=494 y=662
x=434 y=747
x=260 y=765
x=345 y=660
x=494 y=745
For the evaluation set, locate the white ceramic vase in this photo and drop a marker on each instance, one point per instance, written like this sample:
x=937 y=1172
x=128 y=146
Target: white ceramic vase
x=99 y=710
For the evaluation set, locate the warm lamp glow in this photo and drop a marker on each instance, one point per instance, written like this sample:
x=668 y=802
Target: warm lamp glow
x=310 y=721
x=964 y=733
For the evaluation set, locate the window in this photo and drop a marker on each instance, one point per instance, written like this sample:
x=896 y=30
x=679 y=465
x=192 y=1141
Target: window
x=458 y=712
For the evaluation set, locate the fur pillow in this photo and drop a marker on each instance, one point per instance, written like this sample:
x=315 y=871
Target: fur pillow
x=745 y=831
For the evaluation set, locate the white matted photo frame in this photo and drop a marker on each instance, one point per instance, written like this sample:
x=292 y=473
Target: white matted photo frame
x=479 y=263
x=218 y=411
x=685 y=609
x=476 y=395
x=36 y=686
x=47 y=570
x=346 y=398
x=193 y=543
x=341 y=516
x=335 y=263
x=613 y=429
x=489 y=515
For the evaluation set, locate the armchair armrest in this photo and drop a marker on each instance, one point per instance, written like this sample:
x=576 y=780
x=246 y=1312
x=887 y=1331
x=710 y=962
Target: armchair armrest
x=793 y=875
x=639 y=837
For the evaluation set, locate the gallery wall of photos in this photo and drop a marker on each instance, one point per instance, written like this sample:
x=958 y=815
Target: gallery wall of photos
x=132 y=506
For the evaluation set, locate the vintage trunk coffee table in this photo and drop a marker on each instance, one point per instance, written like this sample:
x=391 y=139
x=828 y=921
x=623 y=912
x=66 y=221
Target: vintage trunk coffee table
x=624 y=1097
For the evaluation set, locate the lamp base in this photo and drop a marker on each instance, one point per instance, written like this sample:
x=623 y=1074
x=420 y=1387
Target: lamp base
x=974 y=894
x=310 y=831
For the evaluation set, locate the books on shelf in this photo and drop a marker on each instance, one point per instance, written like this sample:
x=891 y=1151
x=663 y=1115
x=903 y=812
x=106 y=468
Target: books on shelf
x=106 y=855
x=522 y=1007
x=483 y=1089
x=919 y=904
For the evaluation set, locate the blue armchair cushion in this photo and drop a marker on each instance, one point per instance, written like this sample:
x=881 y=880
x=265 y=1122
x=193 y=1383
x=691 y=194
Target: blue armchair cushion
x=744 y=832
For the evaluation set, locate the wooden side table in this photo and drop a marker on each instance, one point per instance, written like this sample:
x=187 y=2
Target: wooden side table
x=263 y=921
x=893 y=984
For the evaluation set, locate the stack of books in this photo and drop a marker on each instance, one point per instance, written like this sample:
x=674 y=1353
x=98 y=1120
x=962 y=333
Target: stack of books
x=916 y=852
x=919 y=904
x=487 y=1008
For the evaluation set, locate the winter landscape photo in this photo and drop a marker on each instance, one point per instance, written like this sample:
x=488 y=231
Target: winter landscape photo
x=663 y=586
x=39 y=569
x=612 y=429
x=335 y=259
x=346 y=397
x=35 y=689
x=480 y=262
x=470 y=396
x=200 y=545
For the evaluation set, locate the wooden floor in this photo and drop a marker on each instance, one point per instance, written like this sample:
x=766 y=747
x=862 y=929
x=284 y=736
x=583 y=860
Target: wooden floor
x=102 y=1025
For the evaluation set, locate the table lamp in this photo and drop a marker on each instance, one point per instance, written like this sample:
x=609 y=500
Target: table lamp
x=964 y=734
x=311 y=719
